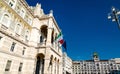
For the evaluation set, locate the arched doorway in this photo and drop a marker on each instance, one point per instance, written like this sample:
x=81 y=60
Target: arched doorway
x=40 y=64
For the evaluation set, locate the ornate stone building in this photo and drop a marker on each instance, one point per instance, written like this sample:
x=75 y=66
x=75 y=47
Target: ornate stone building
x=96 y=66
x=27 y=43
x=67 y=64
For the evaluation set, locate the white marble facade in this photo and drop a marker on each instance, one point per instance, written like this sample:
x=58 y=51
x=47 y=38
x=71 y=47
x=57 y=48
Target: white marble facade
x=27 y=43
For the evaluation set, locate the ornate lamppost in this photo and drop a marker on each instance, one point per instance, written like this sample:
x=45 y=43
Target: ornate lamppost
x=114 y=16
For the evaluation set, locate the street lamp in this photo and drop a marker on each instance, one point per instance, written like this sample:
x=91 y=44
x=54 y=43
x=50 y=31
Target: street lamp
x=114 y=15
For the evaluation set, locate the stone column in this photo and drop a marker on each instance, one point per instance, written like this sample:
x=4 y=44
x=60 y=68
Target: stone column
x=49 y=33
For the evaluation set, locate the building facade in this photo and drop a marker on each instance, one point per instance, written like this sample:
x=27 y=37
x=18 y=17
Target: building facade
x=67 y=64
x=96 y=66
x=27 y=36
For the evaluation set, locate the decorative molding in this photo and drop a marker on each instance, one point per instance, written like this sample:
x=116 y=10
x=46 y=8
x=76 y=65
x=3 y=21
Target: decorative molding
x=16 y=55
x=53 y=49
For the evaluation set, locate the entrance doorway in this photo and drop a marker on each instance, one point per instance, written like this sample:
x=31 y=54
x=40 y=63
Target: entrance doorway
x=40 y=64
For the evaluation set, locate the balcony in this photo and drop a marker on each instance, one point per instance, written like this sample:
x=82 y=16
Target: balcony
x=41 y=44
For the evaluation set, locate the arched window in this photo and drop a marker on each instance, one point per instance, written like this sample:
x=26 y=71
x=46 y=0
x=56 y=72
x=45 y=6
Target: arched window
x=52 y=37
x=22 y=12
x=27 y=35
x=29 y=21
x=5 y=20
x=18 y=29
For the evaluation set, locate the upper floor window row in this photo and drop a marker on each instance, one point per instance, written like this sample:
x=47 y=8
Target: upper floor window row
x=20 y=10
x=17 y=6
x=7 y=22
x=11 y=3
x=18 y=29
x=28 y=19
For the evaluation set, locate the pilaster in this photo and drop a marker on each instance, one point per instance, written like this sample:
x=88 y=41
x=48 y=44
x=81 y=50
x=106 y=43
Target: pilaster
x=47 y=61
x=49 y=33
x=35 y=33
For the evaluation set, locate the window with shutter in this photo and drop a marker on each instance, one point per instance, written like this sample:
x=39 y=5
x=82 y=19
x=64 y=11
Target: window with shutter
x=7 y=68
x=20 y=67
x=12 y=46
x=18 y=29
x=6 y=20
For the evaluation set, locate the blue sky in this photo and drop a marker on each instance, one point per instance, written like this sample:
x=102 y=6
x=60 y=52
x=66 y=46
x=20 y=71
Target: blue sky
x=85 y=26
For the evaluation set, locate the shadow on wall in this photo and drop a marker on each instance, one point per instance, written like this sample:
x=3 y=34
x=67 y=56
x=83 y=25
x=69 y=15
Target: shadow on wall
x=67 y=72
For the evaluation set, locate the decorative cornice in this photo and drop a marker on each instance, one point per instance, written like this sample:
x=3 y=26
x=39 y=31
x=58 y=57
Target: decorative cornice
x=16 y=55
x=53 y=49
x=26 y=6
x=12 y=37
x=43 y=18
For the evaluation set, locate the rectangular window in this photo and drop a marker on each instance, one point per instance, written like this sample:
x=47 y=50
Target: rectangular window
x=0 y=38
x=23 y=51
x=13 y=46
x=41 y=39
x=11 y=4
x=20 y=67
x=18 y=29
x=7 y=68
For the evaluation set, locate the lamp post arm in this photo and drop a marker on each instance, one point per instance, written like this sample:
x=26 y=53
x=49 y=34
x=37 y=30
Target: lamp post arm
x=116 y=15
